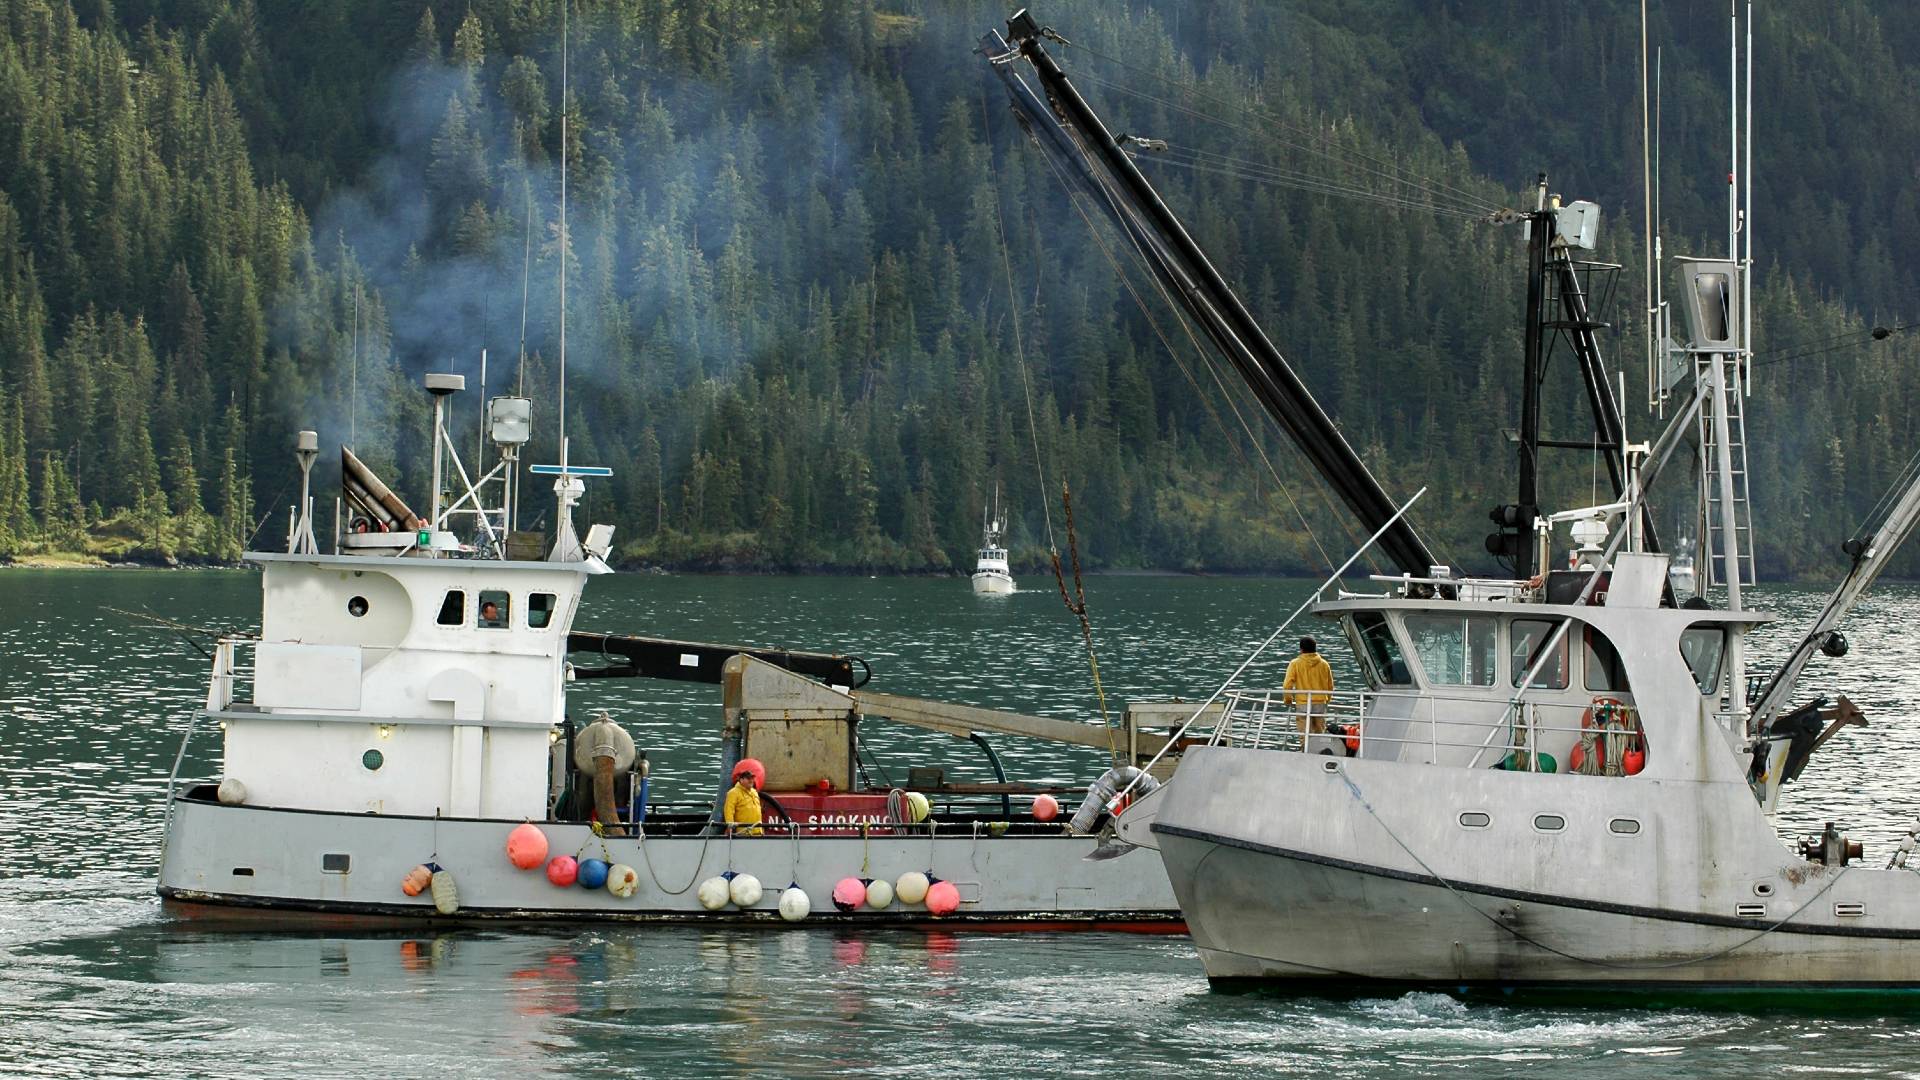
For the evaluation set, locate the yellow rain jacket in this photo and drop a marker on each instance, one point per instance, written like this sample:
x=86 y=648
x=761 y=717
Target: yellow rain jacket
x=743 y=809
x=1308 y=671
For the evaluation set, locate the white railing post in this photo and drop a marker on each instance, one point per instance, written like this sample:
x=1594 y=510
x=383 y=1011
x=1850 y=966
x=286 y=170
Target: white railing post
x=1433 y=733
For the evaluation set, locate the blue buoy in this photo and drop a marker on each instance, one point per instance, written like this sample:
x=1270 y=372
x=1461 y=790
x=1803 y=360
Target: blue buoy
x=593 y=873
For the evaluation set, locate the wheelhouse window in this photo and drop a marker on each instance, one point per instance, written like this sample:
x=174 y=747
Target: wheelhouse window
x=494 y=609
x=1703 y=646
x=453 y=610
x=1529 y=639
x=1375 y=644
x=1454 y=650
x=1604 y=670
x=540 y=610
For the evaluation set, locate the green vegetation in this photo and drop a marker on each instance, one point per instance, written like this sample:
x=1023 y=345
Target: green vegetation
x=790 y=331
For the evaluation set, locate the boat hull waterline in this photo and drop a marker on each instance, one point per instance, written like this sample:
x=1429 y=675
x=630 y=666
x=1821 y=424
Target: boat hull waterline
x=988 y=583
x=268 y=859
x=1336 y=899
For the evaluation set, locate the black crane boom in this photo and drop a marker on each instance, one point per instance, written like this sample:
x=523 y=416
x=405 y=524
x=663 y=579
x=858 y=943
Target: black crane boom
x=1105 y=171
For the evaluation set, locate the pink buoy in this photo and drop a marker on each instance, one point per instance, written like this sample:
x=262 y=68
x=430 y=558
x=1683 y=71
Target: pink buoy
x=1045 y=808
x=526 y=846
x=563 y=870
x=849 y=893
x=944 y=898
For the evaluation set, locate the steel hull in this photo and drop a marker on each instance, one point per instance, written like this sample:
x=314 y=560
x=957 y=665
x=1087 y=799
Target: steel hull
x=228 y=860
x=1324 y=882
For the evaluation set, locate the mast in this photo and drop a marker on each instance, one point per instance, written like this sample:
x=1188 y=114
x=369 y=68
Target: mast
x=1516 y=522
x=1100 y=163
x=567 y=488
x=565 y=123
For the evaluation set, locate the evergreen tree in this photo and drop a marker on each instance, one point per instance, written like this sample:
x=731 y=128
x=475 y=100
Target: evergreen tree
x=16 y=524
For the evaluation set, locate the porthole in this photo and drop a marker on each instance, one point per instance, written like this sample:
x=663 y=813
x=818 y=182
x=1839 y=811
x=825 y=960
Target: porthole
x=357 y=606
x=336 y=862
x=1549 y=822
x=1623 y=826
x=373 y=759
x=1474 y=819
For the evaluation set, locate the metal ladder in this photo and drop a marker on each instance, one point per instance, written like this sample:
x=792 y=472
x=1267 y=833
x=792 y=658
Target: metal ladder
x=1714 y=528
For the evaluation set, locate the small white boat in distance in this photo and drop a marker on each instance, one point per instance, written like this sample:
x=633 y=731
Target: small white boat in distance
x=990 y=574
x=1680 y=571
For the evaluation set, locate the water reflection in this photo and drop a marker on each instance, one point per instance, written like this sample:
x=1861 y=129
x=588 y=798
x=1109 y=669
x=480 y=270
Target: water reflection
x=92 y=976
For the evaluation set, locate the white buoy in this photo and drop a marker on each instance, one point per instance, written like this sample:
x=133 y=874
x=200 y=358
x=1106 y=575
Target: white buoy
x=912 y=887
x=794 y=904
x=446 y=894
x=879 y=894
x=231 y=792
x=745 y=890
x=622 y=880
x=713 y=894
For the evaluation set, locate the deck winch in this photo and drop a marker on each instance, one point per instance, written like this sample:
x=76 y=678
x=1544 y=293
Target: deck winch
x=1831 y=848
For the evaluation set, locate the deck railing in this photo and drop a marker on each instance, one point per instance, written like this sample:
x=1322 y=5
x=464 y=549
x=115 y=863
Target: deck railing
x=1489 y=728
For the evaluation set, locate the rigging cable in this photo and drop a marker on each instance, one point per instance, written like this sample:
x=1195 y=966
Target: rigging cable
x=1226 y=392
x=1033 y=430
x=1238 y=169
x=1306 y=140
x=1074 y=199
x=1471 y=206
x=1805 y=348
x=1117 y=200
x=1451 y=205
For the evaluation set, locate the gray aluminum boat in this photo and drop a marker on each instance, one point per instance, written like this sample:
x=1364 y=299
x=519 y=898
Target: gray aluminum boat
x=1557 y=776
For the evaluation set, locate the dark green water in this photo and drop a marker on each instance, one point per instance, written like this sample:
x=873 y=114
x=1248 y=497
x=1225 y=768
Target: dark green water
x=95 y=980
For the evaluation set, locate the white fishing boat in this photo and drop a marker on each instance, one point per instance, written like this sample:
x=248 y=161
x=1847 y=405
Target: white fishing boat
x=990 y=573
x=396 y=743
x=1558 y=776
x=1681 y=570
x=401 y=724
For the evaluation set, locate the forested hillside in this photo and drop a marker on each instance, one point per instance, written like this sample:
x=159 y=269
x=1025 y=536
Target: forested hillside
x=790 y=326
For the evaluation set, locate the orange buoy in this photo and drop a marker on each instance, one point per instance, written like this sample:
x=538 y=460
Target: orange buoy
x=416 y=881
x=1633 y=761
x=526 y=846
x=1045 y=808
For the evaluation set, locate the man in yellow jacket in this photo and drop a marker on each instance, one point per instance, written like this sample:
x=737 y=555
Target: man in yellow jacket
x=742 y=809
x=1306 y=674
